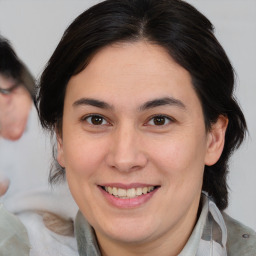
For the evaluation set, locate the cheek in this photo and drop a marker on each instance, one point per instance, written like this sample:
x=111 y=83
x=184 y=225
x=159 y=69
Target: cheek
x=180 y=158
x=83 y=157
x=82 y=161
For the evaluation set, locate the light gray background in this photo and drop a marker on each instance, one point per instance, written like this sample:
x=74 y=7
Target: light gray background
x=35 y=27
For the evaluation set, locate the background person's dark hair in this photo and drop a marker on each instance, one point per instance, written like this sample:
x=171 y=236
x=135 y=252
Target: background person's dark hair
x=12 y=66
x=188 y=37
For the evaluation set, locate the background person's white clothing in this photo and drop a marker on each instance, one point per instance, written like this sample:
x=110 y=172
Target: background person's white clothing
x=28 y=174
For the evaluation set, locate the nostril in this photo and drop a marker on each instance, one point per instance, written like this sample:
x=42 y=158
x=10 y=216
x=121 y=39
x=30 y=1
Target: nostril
x=126 y=160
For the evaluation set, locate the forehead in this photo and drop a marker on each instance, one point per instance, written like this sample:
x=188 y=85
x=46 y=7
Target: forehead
x=139 y=70
x=133 y=59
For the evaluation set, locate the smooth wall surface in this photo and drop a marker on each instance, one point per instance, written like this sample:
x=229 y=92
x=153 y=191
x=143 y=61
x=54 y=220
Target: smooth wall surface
x=35 y=26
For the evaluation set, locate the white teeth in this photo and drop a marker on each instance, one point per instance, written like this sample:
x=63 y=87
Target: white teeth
x=145 y=190
x=150 y=189
x=110 y=190
x=128 y=193
x=114 y=192
x=131 y=192
x=139 y=191
x=121 y=192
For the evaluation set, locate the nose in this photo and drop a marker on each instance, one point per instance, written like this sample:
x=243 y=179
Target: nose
x=126 y=152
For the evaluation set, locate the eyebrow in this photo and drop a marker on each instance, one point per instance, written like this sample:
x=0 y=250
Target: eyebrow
x=162 y=102
x=147 y=105
x=92 y=102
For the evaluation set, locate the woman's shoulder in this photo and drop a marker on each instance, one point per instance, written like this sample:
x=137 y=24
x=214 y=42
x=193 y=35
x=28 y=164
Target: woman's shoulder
x=241 y=239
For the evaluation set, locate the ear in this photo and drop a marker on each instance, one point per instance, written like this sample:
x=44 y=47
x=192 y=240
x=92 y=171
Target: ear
x=60 y=153
x=216 y=140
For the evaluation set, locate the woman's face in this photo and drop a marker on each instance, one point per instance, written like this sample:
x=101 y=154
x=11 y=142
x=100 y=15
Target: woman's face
x=14 y=109
x=134 y=144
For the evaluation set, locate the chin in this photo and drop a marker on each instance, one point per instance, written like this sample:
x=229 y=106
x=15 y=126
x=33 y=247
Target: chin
x=130 y=231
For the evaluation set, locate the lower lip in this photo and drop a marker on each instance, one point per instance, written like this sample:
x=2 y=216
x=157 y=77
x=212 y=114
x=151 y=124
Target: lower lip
x=128 y=203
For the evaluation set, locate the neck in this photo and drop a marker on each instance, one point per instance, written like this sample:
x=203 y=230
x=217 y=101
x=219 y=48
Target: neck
x=170 y=243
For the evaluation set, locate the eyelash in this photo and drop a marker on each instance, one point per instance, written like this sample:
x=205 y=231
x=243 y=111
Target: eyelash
x=87 y=117
x=166 y=119
x=104 y=121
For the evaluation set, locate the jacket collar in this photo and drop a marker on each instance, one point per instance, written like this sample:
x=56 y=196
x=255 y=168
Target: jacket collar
x=209 y=236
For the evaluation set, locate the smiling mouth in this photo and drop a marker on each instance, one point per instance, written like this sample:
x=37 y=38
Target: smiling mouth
x=129 y=193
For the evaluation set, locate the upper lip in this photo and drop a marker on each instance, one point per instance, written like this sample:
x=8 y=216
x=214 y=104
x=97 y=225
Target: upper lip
x=128 y=186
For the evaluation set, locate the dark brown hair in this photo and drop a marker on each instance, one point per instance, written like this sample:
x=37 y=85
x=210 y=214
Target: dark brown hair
x=12 y=66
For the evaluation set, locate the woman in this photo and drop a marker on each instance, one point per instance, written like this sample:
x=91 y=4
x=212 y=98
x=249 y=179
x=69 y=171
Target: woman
x=140 y=95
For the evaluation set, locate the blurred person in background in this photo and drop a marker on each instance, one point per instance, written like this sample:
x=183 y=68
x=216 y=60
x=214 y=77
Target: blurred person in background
x=24 y=188
x=16 y=93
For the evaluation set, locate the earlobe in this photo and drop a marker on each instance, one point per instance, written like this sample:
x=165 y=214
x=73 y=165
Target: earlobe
x=216 y=140
x=60 y=154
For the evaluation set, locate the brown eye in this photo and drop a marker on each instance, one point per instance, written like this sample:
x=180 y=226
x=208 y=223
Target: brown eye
x=159 y=120
x=96 y=120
